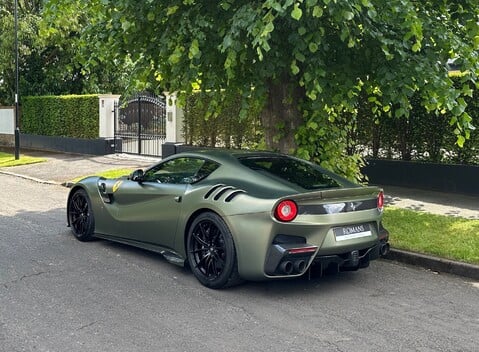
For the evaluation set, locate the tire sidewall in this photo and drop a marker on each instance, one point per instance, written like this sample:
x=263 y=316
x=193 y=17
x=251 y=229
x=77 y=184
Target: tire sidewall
x=91 y=225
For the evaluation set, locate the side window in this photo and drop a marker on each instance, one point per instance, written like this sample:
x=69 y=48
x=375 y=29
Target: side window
x=181 y=171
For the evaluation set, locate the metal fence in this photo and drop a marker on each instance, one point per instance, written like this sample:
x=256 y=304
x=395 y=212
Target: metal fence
x=140 y=124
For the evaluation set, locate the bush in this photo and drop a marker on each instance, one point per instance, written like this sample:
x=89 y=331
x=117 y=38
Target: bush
x=424 y=136
x=73 y=116
x=212 y=123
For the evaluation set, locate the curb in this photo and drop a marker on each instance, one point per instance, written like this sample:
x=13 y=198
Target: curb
x=433 y=263
x=30 y=178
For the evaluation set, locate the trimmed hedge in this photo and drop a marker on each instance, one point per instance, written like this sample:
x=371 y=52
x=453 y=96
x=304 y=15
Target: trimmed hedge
x=424 y=136
x=73 y=116
x=222 y=127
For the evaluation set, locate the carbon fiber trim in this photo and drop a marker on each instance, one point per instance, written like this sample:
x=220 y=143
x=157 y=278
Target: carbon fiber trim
x=335 y=208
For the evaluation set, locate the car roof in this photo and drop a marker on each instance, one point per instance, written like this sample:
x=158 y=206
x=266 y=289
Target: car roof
x=224 y=155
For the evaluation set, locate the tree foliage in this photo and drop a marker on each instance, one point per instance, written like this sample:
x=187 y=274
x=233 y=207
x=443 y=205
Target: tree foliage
x=309 y=62
x=28 y=18
x=50 y=60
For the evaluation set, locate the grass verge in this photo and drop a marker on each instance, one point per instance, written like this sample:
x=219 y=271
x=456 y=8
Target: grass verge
x=438 y=235
x=115 y=173
x=7 y=160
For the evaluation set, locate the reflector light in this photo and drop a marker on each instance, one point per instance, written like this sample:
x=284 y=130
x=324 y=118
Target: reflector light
x=380 y=201
x=302 y=250
x=286 y=210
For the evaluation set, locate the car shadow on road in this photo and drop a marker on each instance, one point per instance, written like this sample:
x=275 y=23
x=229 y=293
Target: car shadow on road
x=282 y=287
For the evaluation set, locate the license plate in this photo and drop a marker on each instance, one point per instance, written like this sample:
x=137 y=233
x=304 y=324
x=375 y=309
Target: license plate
x=352 y=231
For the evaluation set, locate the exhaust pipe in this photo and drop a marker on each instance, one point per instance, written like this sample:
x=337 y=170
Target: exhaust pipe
x=286 y=267
x=384 y=249
x=299 y=266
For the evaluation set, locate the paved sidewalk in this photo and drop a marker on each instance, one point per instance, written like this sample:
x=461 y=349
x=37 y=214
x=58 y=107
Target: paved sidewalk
x=451 y=204
x=61 y=168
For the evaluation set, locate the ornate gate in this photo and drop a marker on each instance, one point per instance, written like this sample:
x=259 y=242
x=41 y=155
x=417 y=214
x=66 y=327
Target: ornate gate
x=140 y=124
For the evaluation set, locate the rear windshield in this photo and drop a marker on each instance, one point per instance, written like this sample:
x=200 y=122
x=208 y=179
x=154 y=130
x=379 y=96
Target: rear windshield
x=294 y=171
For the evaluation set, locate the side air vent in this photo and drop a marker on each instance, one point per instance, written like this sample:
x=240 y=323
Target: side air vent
x=218 y=191
x=221 y=192
x=212 y=189
x=233 y=195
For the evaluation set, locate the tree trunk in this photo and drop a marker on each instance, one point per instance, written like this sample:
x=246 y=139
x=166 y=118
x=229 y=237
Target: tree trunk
x=281 y=116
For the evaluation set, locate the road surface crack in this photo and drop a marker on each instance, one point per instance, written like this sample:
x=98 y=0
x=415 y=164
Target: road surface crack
x=31 y=275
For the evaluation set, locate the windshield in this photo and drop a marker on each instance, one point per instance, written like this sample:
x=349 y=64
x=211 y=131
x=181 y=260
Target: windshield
x=300 y=173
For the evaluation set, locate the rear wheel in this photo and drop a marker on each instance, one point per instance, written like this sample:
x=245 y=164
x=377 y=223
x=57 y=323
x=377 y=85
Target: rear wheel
x=211 y=252
x=80 y=216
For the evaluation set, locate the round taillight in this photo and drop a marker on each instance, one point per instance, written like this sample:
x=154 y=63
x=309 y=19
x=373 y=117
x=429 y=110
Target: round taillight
x=380 y=201
x=286 y=210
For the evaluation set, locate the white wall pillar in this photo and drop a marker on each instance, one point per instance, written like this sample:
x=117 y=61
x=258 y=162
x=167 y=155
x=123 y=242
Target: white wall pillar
x=7 y=120
x=174 y=119
x=107 y=116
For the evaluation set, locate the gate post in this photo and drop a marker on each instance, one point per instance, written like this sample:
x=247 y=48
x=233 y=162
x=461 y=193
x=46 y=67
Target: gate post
x=174 y=120
x=139 y=125
x=106 y=112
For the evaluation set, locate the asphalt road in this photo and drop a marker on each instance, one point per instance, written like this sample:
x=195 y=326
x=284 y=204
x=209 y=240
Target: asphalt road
x=57 y=294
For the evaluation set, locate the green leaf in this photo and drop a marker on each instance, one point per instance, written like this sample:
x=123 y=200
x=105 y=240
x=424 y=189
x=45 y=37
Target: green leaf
x=317 y=11
x=268 y=28
x=297 y=12
x=312 y=125
x=313 y=47
x=348 y=15
x=416 y=47
x=299 y=56
x=150 y=16
x=194 y=49
x=171 y=10
x=294 y=68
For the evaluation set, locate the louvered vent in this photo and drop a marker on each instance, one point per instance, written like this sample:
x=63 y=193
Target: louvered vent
x=223 y=192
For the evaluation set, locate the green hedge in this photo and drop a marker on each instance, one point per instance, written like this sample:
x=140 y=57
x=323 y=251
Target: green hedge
x=73 y=116
x=424 y=136
x=222 y=123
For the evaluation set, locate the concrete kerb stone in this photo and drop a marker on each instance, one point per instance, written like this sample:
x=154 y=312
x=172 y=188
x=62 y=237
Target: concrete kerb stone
x=434 y=263
x=30 y=178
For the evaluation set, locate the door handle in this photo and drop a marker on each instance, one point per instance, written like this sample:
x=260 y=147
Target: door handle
x=178 y=199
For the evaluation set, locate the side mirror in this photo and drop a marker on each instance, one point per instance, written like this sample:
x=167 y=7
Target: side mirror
x=137 y=176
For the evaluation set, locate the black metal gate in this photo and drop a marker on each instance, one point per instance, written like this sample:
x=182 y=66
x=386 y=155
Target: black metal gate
x=140 y=124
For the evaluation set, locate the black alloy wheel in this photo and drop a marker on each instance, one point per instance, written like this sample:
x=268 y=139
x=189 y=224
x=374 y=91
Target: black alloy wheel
x=80 y=216
x=211 y=252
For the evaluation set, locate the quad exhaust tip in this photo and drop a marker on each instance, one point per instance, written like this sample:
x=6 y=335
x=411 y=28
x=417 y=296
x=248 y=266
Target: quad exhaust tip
x=297 y=267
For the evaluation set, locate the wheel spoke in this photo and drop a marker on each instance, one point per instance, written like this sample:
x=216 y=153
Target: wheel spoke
x=202 y=259
x=76 y=204
x=199 y=250
x=199 y=239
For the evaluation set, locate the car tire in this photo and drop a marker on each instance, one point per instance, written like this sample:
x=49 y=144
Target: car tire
x=80 y=215
x=211 y=252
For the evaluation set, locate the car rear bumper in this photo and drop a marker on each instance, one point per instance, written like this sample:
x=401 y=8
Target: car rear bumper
x=267 y=250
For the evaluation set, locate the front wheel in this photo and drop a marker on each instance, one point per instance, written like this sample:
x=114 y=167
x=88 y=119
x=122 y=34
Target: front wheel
x=80 y=215
x=211 y=252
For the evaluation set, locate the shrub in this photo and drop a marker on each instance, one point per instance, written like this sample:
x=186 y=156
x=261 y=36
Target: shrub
x=220 y=124
x=73 y=116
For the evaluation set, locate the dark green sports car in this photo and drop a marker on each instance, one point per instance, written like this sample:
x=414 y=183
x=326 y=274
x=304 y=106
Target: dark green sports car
x=235 y=215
